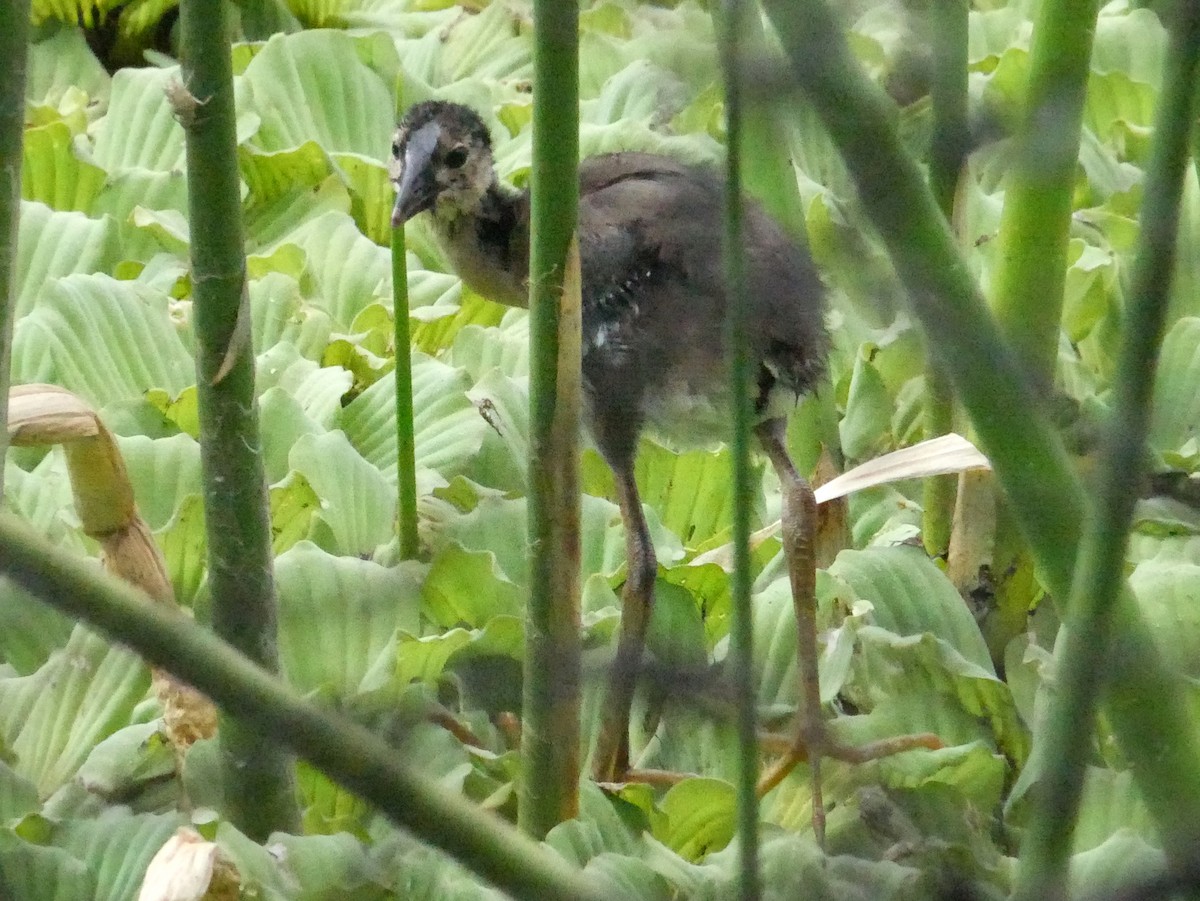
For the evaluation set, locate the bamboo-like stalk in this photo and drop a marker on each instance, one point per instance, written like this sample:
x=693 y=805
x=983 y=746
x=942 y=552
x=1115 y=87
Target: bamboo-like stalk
x=406 y=457
x=947 y=27
x=741 y=632
x=1159 y=739
x=1027 y=290
x=14 y=38
x=1082 y=660
x=348 y=752
x=259 y=790
x=550 y=723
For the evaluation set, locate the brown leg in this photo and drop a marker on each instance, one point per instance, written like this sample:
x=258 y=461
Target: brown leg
x=812 y=741
x=798 y=520
x=611 y=758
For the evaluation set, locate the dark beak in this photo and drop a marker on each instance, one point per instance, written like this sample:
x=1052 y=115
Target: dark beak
x=417 y=189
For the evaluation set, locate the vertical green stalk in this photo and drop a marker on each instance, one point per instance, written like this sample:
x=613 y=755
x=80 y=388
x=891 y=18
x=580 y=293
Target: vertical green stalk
x=1082 y=660
x=947 y=27
x=1027 y=292
x=259 y=793
x=406 y=460
x=741 y=634
x=550 y=726
x=1159 y=738
x=14 y=37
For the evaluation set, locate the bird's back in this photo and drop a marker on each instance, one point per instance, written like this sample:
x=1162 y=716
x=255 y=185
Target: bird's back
x=650 y=231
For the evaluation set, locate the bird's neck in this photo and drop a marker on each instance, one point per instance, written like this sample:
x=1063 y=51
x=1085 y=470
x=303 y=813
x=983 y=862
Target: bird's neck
x=489 y=244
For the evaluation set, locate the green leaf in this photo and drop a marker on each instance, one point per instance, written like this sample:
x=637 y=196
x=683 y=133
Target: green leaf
x=53 y=244
x=910 y=595
x=53 y=718
x=30 y=630
x=105 y=340
x=54 y=174
x=139 y=130
x=1177 y=391
x=313 y=86
x=337 y=614
x=465 y=588
x=42 y=873
x=357 y=503
x=865 y=429
x=63 y=63
x=700 y=817
x=449 y=429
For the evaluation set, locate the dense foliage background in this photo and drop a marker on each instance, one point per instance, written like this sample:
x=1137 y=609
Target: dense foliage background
x=88 y=788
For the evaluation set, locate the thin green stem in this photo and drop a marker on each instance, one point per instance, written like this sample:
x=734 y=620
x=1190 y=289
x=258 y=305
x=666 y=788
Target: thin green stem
x=1027 y=292
x=406 y=462
x=741 y=632
x=14 y=36
x=1159 y=739
x=550 y=723
x=345 y=750
x=1082 y=661
x=259 y=791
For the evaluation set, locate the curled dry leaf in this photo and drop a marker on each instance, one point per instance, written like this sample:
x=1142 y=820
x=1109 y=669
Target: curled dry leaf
x=47 y=414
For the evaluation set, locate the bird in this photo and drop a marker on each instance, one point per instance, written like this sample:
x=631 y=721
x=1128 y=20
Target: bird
x=654 y=354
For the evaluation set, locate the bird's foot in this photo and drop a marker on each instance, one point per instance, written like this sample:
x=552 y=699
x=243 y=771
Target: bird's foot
x=811 y=744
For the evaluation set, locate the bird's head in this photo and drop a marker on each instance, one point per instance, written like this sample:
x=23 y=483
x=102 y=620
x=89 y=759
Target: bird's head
x=441 y=161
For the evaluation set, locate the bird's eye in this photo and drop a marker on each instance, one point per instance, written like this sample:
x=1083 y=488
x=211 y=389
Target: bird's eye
x=396 y=148
x=455 y=157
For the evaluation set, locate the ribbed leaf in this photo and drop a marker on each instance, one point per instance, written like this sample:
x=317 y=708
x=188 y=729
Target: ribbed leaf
x=43 y=873
x=140 y=131
x=336 y=614
x=105 y=340
x=117 y=845
x=357 y=503
x=53 y=174
x=164 y=472
x=54 y=244
x=313 y=86
x=61 y=63
x=53 y=718
x=1177 y=390
x=449 y=429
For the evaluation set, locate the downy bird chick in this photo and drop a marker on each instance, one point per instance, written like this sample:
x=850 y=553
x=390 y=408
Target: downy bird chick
x=653 y=317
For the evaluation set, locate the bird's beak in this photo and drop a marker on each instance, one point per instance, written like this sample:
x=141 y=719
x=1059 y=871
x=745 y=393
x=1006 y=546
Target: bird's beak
x=416 y=190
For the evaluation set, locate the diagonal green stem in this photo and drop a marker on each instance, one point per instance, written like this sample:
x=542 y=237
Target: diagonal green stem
x=259 y=791
x=349 y=753
x=1159 y=739
x=1027 y=293
x=741 y=633
x=1081 y=658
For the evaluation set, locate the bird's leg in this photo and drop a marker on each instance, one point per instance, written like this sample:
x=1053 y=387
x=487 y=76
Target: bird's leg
x=611 y=758
x=812 y=741
x=798 y=520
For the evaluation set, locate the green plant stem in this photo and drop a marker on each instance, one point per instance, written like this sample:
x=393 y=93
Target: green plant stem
x=1082 y=661
x=947 y=26
x=406 y=459
x=345 y=750
x=14 y=37
x=550 y=722
x=1027 y=292
x=741 y=631
x=259 y=791
x=1158 y=738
